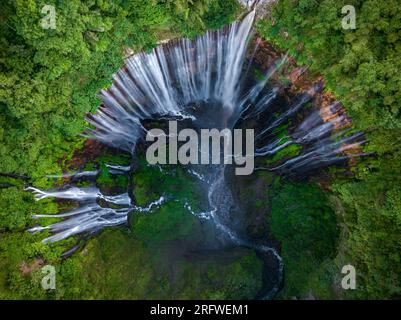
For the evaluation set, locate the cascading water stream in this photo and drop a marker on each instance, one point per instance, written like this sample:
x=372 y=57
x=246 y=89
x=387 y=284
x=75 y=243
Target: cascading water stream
x=165 y=84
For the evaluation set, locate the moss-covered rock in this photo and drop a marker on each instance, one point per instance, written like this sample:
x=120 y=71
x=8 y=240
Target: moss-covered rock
x=119 y=266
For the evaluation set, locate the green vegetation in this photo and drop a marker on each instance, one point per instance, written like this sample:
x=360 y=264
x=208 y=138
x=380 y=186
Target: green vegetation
x=194 y=17
x=116 y=265
x=49 y=80
x=150 y=182
x=173 y=183
x=361 y=68
x=306 y=226
x=106 y=181
x=288 y=152
x=142 y=274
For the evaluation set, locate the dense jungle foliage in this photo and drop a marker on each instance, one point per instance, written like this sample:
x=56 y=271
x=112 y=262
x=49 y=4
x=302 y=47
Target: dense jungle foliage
x=49 y=80
x=362 y=68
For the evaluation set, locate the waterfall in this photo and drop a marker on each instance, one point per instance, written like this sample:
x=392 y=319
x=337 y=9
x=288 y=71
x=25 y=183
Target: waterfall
x=165 y=84
x=155 y=85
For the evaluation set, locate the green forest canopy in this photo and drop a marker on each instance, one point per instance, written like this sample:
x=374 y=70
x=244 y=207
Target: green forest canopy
x=362 y=68
x=50 y=78
x=49 y=81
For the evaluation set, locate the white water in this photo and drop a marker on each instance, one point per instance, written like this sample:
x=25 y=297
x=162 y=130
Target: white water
x=310 y=133
x=114 y=169
x=155 y=85
x=163 y=84
x=89 y=216
x=77 y=175
x=325 y=152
